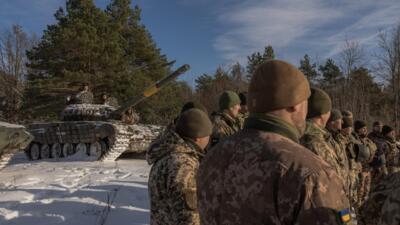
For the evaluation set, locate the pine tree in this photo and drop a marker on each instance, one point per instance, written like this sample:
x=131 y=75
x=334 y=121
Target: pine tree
x=256 y=59
x=330 y=72
x=110 y=49
x=308 y=69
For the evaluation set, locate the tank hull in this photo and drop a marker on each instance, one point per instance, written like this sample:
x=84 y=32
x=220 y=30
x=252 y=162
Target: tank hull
x=103 y=140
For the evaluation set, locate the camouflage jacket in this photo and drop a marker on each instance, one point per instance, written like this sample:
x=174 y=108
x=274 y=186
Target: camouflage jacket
x=392 y=153
x=340 y=148
x=320 y=141
x=391 y=209
x=224 y=125
x=84 y=97
x=372 y=148
x=375 y=137
x=371 y=211
x=172 y=181
x=261 y=175
x=349 y=142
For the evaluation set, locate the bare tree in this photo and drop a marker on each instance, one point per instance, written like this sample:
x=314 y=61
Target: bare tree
x=351 y=58
x=13 y=45
x=389 y=64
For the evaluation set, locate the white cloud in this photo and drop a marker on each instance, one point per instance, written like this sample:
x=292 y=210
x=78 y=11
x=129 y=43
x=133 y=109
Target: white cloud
x=316 y=24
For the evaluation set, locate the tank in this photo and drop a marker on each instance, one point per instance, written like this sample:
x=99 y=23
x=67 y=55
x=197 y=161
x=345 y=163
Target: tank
x=100 y=132
x=13 y=138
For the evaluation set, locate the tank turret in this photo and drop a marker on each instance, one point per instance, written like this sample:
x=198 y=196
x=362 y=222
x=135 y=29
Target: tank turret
x=104 y=112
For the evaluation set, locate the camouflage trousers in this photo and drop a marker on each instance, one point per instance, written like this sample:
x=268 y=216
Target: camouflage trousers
x=364 y=187
x=353 y=187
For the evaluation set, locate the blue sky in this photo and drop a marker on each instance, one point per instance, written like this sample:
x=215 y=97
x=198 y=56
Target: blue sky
x=208 y=33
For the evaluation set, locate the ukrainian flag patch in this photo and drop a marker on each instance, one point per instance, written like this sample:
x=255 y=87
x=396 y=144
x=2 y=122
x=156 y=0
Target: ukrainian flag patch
x=345 y=216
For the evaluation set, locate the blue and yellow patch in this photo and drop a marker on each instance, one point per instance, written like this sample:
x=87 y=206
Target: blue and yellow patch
x=345 y=216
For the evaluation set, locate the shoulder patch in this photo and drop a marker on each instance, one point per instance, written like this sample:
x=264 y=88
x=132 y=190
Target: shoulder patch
x=344 y=216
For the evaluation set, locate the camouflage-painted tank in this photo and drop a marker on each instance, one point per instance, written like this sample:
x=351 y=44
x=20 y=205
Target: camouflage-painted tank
x=99 y=131
x=12 y=139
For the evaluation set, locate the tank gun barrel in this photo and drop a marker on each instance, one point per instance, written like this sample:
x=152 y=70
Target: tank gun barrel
x=153 y=89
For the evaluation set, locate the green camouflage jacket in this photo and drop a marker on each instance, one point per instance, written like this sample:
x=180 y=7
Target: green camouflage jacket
x=320 y=141
x=172 y=181
x=224 y=126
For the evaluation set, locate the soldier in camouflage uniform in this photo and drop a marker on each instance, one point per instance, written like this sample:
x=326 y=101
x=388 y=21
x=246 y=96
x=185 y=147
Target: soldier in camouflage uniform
x=365 y=155
x=243 y=113
x=349 y=141
x=130 y=116
x=316 y=137
x=376 y=134
x=378 y=165
x=171 y=126
x=391 y=209
x=107 y=100
x=262 y=175
x=392 y=153
x=85 y=96
x=226 y=120
x=372 y=210
x=172 y=180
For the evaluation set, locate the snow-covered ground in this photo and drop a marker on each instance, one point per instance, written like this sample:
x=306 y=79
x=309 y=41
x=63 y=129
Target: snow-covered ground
x=74 y=192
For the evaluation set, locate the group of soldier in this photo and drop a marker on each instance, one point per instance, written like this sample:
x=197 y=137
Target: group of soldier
x=286 y=157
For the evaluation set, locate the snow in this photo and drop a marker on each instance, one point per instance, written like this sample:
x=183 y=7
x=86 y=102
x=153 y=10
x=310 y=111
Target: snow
x=74 y=192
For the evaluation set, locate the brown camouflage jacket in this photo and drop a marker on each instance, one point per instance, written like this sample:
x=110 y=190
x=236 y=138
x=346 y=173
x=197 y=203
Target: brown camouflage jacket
x=172 y=181
x=371 y=211
x=391 y=209
x=224 y=125
x=392 y=153
x=320 y=141
x=261 y=175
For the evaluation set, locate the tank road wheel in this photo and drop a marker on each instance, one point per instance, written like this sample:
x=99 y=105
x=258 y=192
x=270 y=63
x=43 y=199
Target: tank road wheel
x=95 y=149
x=45 y=151
x=56 y=150
x=34 y=152
x=81 y=147
x=68 y=149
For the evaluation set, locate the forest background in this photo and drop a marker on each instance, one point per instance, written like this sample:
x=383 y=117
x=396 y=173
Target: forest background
x=113 y=51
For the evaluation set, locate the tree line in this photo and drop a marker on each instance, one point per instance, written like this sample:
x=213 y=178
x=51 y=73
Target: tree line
x=113 y=51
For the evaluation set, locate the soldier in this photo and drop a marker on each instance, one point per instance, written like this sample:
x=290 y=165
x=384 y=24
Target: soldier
x=130 y=116
x=85 y=96
x=347 y=139
x=373 y=210
x=225 y=121
x=316 y=137
x=243 y=113
x=376 y=134
x=365 y=155
x=262 y=175
x=334 y=126
x=171 y=127
x=107 y=100
x=392 y=154
x=391 y=209
x=172 y=180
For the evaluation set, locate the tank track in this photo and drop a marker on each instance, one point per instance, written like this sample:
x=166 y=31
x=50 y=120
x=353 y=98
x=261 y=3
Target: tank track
x=136 y=138
x=118 y=144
